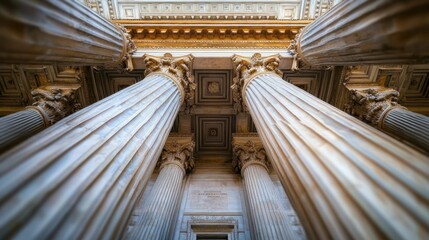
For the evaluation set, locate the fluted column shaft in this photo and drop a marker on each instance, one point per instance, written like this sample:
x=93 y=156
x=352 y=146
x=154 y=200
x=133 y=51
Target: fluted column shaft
x=380 y=108
x=346 y=180
x=268 y=214
x=161 y=206
x=19 y=126
x=49 y=107
x=408 y=125
x=79 y=179
x=367 y=32
x=59 y=31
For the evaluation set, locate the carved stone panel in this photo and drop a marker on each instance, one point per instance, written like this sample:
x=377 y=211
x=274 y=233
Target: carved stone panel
x=214 y=134
x=213 y=87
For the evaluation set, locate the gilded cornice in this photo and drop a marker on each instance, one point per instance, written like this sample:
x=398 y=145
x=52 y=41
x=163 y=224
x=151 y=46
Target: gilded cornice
x=157 y=34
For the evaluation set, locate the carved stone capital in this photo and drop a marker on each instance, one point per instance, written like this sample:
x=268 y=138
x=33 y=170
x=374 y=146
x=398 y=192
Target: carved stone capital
x=295 y=49
x=371 y=105
x=248 y=150
x=178 y=150
x=128 y=50
x=248 y=68
x=55 y=103
x=179 y=70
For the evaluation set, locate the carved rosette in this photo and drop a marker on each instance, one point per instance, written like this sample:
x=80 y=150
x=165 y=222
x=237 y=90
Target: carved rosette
x=248 y=152
x=245 y=70
x=371 y=105
x=179 y=153
x=179 y=70
x=55 y=104
x=129 y=49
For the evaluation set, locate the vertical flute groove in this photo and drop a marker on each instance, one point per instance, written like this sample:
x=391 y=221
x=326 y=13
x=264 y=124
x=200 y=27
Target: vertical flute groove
x=108 y=155
x=18 y=126
x=409 y=126
x=346 y=168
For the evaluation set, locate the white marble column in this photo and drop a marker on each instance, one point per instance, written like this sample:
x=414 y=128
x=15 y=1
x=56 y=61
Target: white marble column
x=367 y=32
x=269 y=216
x=380 y=108
x=160 y=209
x=346 y=180
x=80 y=178
x=50 y=105
x=61 y=32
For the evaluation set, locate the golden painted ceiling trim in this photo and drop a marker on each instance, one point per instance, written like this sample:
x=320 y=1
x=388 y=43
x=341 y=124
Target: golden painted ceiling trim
x=213 y=33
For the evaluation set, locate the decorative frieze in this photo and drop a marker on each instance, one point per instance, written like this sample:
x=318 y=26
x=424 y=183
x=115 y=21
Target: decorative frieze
x=246 y=69
x=212 y=33
x=179 y=70
x=371 y=105
x=55 y=103
x=179 y=151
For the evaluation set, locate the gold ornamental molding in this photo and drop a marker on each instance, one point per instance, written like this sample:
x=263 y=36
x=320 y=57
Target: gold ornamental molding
x=207 y=33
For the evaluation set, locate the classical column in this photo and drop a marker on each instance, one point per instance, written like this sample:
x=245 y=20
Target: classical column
x=346 y=180
x=381 y=109
x=160 y=208
x=60 y=31
x=366 y=32
x=50 y=105
x=81 y=177
x=269 y=217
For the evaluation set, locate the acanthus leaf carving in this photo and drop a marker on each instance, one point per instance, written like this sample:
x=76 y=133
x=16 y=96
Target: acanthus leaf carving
x=55 y=103
x=371 y=105
x=247 y=153
x=179 y=69
x=129 y=49
x=178 y=153
x=246 y=69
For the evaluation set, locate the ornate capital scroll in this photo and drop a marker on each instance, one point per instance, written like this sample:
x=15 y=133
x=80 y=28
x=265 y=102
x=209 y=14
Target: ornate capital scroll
x=128 y=49
x=178 y=150
x=248 y=150
x=295 y=49
x=179 y=70
x=371 y=105
x=55 y=103
x=245 y=70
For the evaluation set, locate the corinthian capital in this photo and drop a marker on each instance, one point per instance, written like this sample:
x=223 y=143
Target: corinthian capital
x=55 y=103
x=178 y=150
x=128 y=50
x=371 y=105
x=248 y=150
x=179 y=70
x=246 y=69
